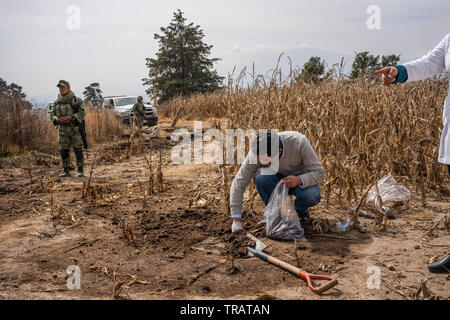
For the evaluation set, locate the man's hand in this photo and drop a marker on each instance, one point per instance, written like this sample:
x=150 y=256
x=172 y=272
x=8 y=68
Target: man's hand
x=388 y=75
x=237 y=225
x=292 y=181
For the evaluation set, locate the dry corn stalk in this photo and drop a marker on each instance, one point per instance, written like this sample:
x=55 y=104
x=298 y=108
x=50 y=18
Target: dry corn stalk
x=139 y=183
x=144 y=202
x=29 y=170
x=128 y=233
x=356 y=128
x=150 y=185
x=225 y=189
x=159 y=174
x=87 y=188
x=380 y=214
x=119 y=285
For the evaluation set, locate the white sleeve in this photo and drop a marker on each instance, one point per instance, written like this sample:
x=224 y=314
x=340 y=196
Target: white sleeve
x=429 y=65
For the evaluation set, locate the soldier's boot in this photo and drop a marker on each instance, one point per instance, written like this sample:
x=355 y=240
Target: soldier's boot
x=80 y=172
x=80 y=161
x=66 y=173
x=65 y=156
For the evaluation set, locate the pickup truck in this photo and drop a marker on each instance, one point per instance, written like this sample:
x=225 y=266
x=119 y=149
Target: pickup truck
x=122 y=106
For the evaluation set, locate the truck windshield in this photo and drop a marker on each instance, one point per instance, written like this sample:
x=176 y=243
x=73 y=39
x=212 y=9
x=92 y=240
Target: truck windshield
x=125 y=101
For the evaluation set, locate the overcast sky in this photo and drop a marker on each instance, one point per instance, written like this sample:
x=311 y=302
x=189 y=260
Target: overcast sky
x=37 y=48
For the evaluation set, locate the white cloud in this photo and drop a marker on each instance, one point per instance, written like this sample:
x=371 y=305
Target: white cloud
x=236 y=49
x=302 y=45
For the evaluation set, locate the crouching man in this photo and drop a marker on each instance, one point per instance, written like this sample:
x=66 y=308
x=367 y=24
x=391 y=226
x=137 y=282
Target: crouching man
x=273 y=157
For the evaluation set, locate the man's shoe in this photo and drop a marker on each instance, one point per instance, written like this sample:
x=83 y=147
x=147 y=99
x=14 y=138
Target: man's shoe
x=304 y=217
x=80 y=172
x=442 y=266
x=66 y=173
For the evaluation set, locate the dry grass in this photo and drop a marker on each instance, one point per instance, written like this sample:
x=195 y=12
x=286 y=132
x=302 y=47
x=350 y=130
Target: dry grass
x=41 y=135
x=102 y=126
x=38 y=132
x=359 y=130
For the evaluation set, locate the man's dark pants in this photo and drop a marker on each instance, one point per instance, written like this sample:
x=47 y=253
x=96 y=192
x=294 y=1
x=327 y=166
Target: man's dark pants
x=304 y=197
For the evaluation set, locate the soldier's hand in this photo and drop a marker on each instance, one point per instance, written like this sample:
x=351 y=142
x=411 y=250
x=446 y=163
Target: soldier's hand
x=64 y=120
x=69 y=119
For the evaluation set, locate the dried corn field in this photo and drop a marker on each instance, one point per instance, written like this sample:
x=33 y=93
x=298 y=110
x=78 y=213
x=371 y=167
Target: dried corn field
x=359 y=130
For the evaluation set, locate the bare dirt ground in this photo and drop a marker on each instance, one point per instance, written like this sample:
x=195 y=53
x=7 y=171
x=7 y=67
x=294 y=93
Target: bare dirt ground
x=176 y=243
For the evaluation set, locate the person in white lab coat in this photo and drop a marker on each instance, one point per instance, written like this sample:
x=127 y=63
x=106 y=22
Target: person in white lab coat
x=437 y=61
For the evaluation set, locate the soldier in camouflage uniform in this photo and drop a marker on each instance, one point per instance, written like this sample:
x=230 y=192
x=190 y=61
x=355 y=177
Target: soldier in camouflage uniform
x=67 y=112
x=139 y=112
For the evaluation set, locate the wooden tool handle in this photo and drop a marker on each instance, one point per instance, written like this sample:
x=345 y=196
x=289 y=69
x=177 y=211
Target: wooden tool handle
x=327 y=286
x=279 y=263
x=284 y=265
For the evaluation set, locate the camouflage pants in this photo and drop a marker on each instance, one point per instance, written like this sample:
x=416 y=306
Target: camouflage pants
x=70 y=137
x=139 y=122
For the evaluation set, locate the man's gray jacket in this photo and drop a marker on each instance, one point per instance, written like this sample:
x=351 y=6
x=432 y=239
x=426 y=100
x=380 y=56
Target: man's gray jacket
x=298 y=159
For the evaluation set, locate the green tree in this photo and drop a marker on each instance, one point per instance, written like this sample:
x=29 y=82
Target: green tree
x=93 y=92
x=366 y=64
x=3 y=87
x=389 y=60
x=181 y=66
x=10 y=89
x=15 y=88
x=313 y=70
x=7 y=91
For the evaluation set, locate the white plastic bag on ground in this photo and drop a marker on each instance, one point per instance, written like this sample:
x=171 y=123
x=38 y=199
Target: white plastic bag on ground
x=390 y=191
x=281 y=218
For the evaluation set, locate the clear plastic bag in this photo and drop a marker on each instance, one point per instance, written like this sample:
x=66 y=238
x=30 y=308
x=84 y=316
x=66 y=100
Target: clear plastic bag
x=390 y=191
x=281 y=218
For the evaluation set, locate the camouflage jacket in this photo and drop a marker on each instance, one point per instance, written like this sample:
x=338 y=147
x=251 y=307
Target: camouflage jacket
x=67 y=106
x=138 y=109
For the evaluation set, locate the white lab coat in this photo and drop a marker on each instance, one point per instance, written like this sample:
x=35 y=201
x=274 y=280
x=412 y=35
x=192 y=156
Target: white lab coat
x=435 y=62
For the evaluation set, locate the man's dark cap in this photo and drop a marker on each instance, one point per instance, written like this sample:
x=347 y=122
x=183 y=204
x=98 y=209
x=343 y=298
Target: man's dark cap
x=63 y=83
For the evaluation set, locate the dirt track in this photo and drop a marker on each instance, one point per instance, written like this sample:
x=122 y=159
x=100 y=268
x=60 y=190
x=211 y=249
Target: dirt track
x=177 y=246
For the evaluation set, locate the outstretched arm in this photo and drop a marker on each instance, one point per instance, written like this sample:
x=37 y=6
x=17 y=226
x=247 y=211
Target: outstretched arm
x=429 y=65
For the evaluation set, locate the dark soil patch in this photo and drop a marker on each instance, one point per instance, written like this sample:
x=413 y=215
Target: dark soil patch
x=237 y=243
x=178 y=228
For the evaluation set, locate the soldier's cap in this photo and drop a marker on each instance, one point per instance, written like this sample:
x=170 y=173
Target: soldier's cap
x=63 y=83
x=139 y=98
